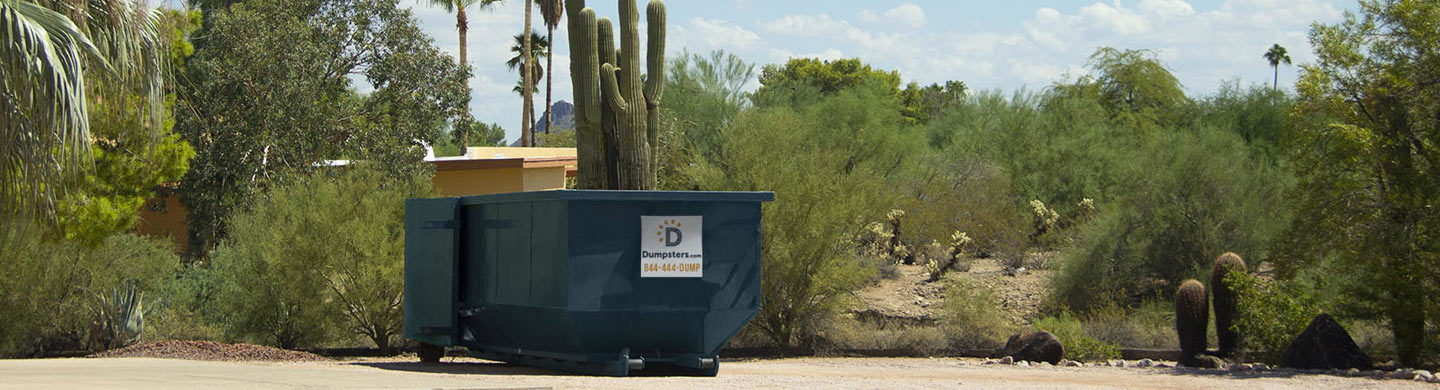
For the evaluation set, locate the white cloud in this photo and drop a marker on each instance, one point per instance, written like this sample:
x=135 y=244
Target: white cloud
x=806 y=26
x=702 y=35
x=907 y=15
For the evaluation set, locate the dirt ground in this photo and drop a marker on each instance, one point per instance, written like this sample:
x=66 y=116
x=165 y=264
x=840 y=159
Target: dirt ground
x=800 y=373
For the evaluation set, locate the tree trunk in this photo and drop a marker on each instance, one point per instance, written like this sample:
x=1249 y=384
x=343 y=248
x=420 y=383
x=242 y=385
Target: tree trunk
x=462 y=24
x=527 y=82
x=1276 y=87
x=549 y=80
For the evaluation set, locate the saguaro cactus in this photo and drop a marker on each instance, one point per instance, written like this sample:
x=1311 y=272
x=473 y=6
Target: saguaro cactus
x=1224 y=302
x=617 y=108
x=1192 y=316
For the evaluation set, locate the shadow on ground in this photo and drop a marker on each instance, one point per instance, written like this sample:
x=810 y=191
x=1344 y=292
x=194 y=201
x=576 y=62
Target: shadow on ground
x=498 y=368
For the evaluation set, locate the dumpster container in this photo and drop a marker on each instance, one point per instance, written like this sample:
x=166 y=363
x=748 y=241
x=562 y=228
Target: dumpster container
x=597 y=282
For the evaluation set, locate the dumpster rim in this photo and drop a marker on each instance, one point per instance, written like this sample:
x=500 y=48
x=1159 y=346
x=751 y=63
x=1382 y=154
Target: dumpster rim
x=621 y=195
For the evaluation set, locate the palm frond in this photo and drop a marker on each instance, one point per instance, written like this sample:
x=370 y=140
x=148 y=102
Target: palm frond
x=44 y=131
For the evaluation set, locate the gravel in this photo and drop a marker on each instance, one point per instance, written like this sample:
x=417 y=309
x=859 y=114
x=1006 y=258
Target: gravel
x=208 y=350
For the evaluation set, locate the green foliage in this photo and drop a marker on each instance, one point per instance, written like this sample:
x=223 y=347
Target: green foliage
x=1079 y=346
x=51 y=288
x=317 y=258
x=1135 y=87
x=1188 y=197
x=826 y=164
x=777 y=83
x=971 y=316
x=1260 y=116
x=268 y=95
x=703 y=94
x=1272 y=314
x=925 y=103
x=950 y=192
x=130 y=158
x=1365 y=144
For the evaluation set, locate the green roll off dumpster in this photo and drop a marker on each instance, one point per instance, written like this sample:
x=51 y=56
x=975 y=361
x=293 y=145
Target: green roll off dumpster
x=597 y=282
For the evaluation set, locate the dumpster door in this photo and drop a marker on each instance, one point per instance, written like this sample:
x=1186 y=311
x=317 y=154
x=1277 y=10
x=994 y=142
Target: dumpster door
x=432 y=250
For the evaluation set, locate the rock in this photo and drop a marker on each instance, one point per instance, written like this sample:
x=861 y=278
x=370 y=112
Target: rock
x=1242 y=367
x=1022 y=363
x=1423 y=376
x=1007 y=360
x=1118 y=363
x=1325 y=344
x=1353 y=372
x=1404 y=373
x=1045 y=364
x=1261 y=366
x=1163 y=365
x=1203 y=361
x=1435 y=379
x=1145 y=363
x=1071 y=363
x=1035 y=347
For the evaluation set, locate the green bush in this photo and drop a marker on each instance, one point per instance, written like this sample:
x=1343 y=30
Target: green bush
x=1270 y=315
x=827 y=165
x=51 y=288
x=1079 y=346
x=316 y=259
x=1190 y=197
x=971 y=317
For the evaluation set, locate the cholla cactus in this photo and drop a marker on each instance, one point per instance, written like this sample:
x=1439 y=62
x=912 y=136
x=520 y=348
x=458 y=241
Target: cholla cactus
x=1044 y=218
x=899 y=252
x=875 y=240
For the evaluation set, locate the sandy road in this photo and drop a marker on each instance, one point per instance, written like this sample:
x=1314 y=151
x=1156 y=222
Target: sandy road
x=803 y=373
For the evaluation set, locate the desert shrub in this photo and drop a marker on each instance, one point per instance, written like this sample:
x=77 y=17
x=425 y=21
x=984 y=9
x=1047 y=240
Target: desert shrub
x=827 y=164
x=1271 y=314
x=316 y=259
x=1079 y=346
x=971 y=318
x=846 y=333
x=1191 y=196
x=949 y=192
x=1148 y=325
x=51 y=288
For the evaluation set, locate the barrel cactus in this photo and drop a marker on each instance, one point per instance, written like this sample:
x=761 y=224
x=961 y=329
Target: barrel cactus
x=1224 y=302
x=1192 y=317
x=617 y=109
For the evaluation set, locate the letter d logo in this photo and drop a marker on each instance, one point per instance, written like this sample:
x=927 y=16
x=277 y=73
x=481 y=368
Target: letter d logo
x=673 y=236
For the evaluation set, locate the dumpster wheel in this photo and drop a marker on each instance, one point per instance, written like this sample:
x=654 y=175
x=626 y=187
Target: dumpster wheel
x=431 y=353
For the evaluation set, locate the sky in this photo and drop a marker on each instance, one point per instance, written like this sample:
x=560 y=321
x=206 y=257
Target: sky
x=989 y=45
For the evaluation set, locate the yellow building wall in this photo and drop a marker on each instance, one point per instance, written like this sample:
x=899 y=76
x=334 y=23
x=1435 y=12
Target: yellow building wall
x=169 y=221
x=544 y=179
x=479 y=181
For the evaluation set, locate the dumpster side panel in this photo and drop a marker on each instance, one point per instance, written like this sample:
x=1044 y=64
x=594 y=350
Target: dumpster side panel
x=432 y=247
x=519 y=277
x=656 y=316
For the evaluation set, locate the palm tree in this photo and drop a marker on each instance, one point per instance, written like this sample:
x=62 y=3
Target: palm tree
x=538 y=49
x=1277 y=55
x=526 y=138
x=550 y=11
x=462 y=24
x=44 y=124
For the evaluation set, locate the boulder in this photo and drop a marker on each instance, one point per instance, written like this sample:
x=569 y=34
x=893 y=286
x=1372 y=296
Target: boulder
x=1323 y=345
x=1035 y=347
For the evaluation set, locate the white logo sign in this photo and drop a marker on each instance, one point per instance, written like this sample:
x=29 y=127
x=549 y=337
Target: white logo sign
x=670 y=247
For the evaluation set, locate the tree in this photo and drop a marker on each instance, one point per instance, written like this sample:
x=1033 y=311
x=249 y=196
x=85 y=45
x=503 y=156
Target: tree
x=43 y=111
x=825 y=77
x=269 y=95
x=527 y=82
x=130 y=158
x=551 y=11
x=1367 y=146
x=1136 y=87
x=539 y=48
x=462 y=25
x=1277 y=55
x=317 y=256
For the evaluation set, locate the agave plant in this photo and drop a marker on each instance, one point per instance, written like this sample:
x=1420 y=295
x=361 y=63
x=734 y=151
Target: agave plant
x=119 y=318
